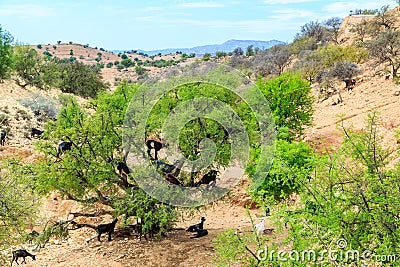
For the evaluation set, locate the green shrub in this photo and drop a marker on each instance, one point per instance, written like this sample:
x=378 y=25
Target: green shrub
x=290 y=102
x=22 y=114
x=80 y=79
x=40 y=105
x=39 y=46
x=293 y=163
x=140 y=70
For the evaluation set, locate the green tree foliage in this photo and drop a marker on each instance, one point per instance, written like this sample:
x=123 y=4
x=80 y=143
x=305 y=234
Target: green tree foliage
x=206 y=57
x=249 y=51
x=293 y=164
x=325 y=58
x=18 y=201
x=87 y=173
x=220 y=54
x=127 y=62
x=332 y=26
x=353 y=195
x=140 y=70
x=29 y=65
x=6 y=54
x=232 y=247
x=349 y=203
x=290 y=102
x=194 y=131
x=80 y=79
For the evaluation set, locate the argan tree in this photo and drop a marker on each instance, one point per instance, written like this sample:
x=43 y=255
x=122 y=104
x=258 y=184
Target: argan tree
x=6 y=54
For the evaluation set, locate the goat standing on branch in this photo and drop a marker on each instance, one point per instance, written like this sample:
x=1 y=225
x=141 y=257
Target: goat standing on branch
x=156 y=145
x=64 y=146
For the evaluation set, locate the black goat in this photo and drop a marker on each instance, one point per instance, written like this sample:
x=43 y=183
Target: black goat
x=156 y=145
x=106 y=228
x=208 y=178
x=21 y=253
x=196 y=227
x=350 y=83
x=123 y=169
x=36 y=132
x=172 y=179
x=3 y=136
x=165 y=167
x=200 y=233
x=63 y=146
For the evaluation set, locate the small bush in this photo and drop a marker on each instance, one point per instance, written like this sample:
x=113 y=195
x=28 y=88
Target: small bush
x=22 y=114
x=40 y=105
x=4 y=118
x=140 y=70
x=39 y=46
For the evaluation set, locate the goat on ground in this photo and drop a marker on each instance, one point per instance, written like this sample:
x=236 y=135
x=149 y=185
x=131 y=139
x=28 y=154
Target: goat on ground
x=259 y=227
x=21 y=253
x=106 y=228
x=350 y=83
x=165 y=167
x=36 y=132
x=200 y=233
x=208 y=178
x=156 y=145
x=3 y=135
x=63 y=146
x=123 y=169
x=195 y=227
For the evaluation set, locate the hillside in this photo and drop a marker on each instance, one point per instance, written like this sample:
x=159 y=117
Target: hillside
x=371 y=92
x=227 y=46
x=89 y=55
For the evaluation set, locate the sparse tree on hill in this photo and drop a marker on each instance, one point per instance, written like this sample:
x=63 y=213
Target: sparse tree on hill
x=314 y=30
x=272 y=61
x=249 y=51
x=238 y=51
x=333 y=29
x=385 y=49
x=362 y=30
x=6 y=54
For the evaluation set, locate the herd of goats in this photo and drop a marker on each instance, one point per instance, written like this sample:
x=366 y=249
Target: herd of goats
x=171 y=172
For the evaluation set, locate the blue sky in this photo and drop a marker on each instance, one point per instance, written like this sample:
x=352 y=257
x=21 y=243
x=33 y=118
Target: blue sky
x=150 y=24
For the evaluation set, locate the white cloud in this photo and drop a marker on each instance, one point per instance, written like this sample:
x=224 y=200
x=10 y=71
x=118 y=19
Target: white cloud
x=291 y=14
x=284 y=2
x=342 y=9
x=27 y=10
x=200 y=5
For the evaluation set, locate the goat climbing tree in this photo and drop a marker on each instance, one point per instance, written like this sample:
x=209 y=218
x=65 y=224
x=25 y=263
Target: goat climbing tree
x=87 y=173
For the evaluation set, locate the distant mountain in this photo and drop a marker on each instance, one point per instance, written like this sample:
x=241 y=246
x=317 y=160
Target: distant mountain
x=228 y=46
